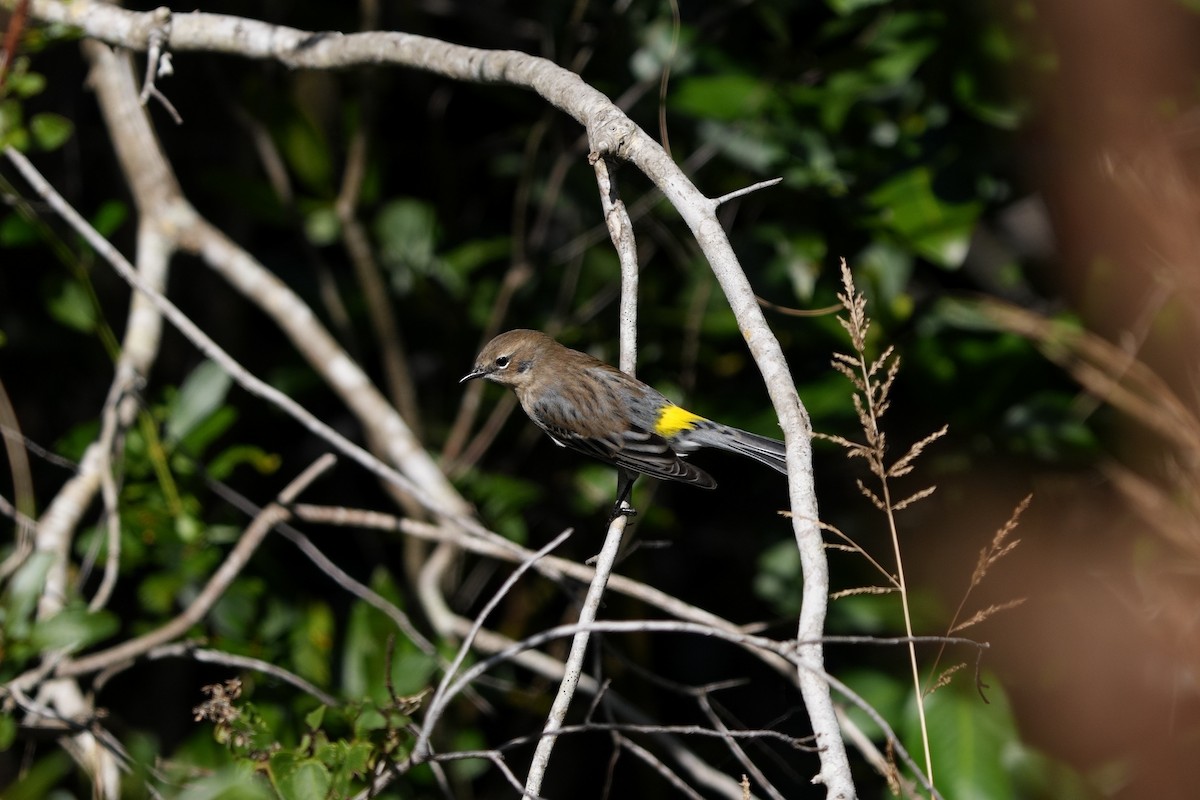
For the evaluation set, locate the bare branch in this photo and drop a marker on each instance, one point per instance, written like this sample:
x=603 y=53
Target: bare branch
x=662 y=769
x=158 y=64
x=725 y=198
x=574 y=664
x=610 y=133
x=236 y=559
x=421 y=749
x=204 y=342
x=209 y=656
x=495 y=546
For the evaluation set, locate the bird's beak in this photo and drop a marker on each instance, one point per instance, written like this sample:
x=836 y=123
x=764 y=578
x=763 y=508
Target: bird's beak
x=478 y=372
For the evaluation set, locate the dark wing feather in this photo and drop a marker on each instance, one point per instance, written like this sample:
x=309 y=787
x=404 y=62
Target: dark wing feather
x=633 y=449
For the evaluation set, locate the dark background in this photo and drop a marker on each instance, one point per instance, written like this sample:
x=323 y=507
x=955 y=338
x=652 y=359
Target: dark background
x=1036 y=152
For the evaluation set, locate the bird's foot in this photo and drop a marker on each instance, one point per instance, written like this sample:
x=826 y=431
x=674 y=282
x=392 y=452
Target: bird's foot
x=622 y=509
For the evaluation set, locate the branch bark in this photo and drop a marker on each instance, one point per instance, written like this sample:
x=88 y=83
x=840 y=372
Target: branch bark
x=611 y=134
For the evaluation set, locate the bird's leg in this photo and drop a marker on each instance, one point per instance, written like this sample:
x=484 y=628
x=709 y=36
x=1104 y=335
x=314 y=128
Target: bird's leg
x=625 y=481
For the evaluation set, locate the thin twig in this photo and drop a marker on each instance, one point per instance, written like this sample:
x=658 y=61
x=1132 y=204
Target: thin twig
x=23 y=496
x=158 y=62
x=793 y=651
x=439 y=699
x=110 y=433
x=205 y=344
x=745 y=190
x=574 y=664
x=236 y=559
x=621 y=230
x=730 y=737
x=658 y=766
x=675 y=730
x=191 y=650
x=495 y=546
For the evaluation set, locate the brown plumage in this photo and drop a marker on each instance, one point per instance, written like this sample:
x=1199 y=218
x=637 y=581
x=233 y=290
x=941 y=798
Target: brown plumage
x=594 y=408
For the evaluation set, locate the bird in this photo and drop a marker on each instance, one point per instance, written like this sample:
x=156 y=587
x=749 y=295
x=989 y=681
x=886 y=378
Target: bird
x=591 y=407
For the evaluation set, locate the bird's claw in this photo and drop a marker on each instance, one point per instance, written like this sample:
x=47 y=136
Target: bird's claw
x=622 y=509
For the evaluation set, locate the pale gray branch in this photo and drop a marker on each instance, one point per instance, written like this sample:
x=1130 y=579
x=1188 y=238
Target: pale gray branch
x=574 y=664
x=610 y=133
x=234 y=561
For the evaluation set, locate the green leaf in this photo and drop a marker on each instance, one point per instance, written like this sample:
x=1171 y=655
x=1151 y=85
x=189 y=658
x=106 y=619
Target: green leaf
x=299 y=778
x=23 y=84
x=1047 y=424
x=357 y=758
x=863 y=614
x=38 y=782
x=308 y=154
x=896 y=66
x=15 y=231
x=798 y=255
x=312 y=643
x=157 y=592
x=744 y=144
x=503 y=499
x=346 y=762
x=884 y=693
x=73 y=307
x=998 y=111
x=188 y=528
x=470 y=256
x=1036 y=775
x=938 y=230
x=8 y=731
x=827 y=398
x=23 y=593
x=237 y=612
x=238 y=782
x=661 y=44
x=206 y=430
x=368 y=721
x=322 y=226
x=838 y=96
x=360 y=653
x=313 y=718
x=407 y=231
x=815 y=163
x=202 y=393
x=74 y=628
x=723 y=97
x=50 y=131
x=12 y=125
x=467 y=769
x=888 y=269
x=109 y=217
x=844 y=7
x=972 y=742
x=364 y=650
x=778 y=578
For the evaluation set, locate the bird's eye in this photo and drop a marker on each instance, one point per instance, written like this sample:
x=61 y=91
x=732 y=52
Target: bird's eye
x=502 y=362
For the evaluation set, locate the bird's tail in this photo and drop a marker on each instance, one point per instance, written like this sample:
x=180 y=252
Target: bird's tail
x=723 y=437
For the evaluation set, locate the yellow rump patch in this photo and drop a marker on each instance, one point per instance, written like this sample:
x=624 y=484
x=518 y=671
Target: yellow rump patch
x=673 y=420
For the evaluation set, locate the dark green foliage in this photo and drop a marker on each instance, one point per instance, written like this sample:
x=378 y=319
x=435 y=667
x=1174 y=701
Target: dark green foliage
x=894 y=126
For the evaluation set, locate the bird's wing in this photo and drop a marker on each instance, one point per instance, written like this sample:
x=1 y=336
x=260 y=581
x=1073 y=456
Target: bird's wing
x=634 y=449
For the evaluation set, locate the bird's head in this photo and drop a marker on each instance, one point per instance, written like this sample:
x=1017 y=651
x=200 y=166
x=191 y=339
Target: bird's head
x=509 y=358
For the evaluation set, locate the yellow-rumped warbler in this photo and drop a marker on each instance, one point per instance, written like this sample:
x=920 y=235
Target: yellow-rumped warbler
x=589 y=406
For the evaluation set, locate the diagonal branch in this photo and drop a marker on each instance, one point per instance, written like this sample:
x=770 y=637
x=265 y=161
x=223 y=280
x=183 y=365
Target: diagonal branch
x=233 y=564
x=610 y=133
